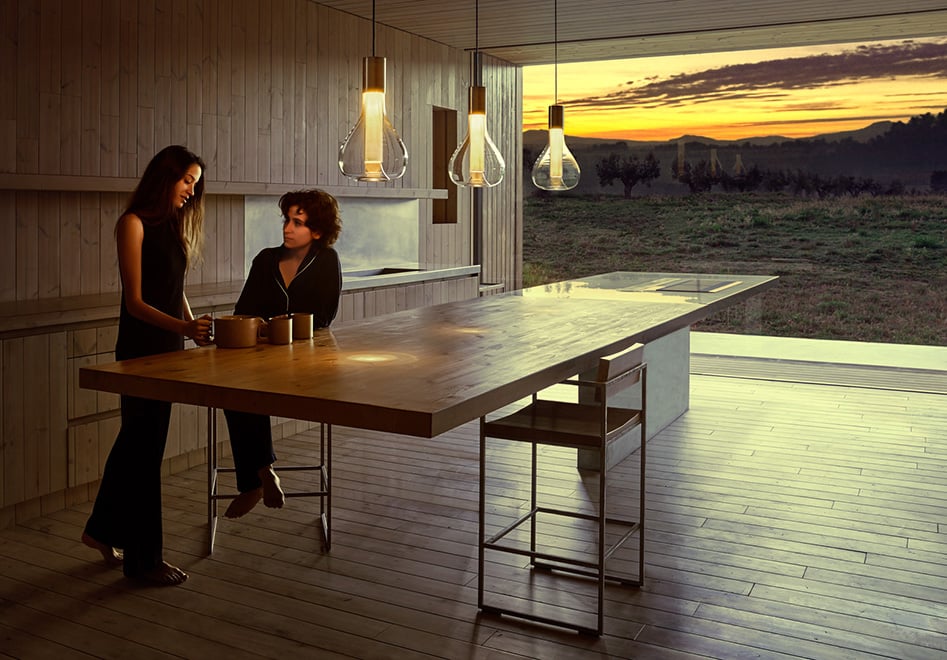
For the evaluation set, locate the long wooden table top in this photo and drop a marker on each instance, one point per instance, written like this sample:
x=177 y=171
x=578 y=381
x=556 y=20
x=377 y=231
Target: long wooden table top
x=425 y=371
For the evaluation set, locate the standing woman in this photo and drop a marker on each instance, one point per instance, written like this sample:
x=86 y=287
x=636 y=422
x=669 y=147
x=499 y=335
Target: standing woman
x=303 y=275
x=160 y=231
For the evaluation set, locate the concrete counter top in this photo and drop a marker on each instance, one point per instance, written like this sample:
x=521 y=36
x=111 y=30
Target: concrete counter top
x=29 y=317
x=374 y=278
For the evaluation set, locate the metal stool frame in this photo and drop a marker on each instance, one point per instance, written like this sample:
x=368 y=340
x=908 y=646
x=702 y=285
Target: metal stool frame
x=549 y=560
x=324 y=467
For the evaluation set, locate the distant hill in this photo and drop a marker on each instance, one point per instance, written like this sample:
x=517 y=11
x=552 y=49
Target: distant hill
x=866 y=134
x=887 y=152
x=537 y=138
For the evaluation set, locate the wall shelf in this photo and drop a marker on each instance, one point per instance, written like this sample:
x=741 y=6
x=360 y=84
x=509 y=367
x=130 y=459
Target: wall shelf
x=66 y=183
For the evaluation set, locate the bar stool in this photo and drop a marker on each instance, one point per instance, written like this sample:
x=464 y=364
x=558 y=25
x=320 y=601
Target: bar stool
x=324 y=467
x=591 y=425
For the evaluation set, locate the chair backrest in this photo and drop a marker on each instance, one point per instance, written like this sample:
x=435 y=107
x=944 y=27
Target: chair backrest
x=613 y=366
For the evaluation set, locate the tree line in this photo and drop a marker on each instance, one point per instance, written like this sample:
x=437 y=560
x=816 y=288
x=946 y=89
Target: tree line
x=817 y=167
x=702 y=176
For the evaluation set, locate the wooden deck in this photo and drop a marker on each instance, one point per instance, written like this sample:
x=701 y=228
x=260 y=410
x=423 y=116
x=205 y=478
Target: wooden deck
x=785 y=520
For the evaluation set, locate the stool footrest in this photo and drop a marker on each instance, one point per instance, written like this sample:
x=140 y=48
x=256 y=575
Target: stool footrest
x=493 y=543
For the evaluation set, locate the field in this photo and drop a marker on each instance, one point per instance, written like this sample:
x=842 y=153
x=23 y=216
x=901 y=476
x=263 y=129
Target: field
x=864 y=269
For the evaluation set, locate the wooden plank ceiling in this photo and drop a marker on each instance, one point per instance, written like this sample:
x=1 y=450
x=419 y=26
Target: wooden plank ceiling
x=522 y=31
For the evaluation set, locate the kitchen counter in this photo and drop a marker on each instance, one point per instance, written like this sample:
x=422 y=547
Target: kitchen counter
x=23 y=318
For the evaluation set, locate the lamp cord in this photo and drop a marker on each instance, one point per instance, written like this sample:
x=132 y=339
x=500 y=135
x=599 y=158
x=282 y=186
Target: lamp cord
x=555 y=45
x=475 y=76
x=373 y=28
x=475 y=63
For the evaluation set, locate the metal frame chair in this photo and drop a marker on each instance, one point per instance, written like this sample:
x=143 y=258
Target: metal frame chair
x=325 y=484
x=590 y=424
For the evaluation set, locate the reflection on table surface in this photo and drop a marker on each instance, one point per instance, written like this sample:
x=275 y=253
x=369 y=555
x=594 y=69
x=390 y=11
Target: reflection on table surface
x=671 y=288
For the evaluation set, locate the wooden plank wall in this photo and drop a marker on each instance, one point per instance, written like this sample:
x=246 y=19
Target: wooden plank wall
x=264 y=92
x=503 y=205
x=502 y=231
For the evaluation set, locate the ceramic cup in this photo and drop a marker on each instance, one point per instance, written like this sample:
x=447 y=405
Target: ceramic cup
x=238 y=331
x=302 y=326
x=280 y=329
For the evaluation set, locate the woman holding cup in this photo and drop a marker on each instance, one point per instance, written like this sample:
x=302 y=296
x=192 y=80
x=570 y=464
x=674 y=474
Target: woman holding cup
x=158 y=236
x=302 y=276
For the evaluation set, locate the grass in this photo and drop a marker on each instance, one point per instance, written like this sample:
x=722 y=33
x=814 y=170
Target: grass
x=863 y=269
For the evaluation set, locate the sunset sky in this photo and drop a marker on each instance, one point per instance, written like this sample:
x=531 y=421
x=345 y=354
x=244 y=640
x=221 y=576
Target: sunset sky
x=792 y=92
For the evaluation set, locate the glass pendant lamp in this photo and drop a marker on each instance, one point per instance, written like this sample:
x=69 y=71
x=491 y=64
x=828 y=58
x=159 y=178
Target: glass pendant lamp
x=477 y=162
x=556 y=167
x=372 y=151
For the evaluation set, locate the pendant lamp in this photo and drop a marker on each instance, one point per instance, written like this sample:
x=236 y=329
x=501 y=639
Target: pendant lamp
x=373 y=151
x=556 y=167
x=477 y=162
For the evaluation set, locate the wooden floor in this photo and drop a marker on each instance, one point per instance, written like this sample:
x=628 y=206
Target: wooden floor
x=785 y=520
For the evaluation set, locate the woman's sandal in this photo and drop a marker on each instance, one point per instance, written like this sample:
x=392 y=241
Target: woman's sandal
x=110 y=555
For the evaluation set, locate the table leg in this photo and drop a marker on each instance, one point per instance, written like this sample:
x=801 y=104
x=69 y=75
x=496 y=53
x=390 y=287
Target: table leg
x=668 y=359
x=325 y=502
x=211 y=478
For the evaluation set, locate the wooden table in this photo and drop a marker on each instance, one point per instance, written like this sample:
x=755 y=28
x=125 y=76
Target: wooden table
x=425 y=371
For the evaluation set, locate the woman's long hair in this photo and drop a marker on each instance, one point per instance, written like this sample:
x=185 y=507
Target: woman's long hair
x=152 y=200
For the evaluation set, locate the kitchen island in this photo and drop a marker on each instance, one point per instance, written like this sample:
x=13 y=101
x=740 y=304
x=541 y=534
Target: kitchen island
x=425 y=371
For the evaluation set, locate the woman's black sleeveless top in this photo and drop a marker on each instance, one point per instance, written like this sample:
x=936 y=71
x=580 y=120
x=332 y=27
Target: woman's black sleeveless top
x=163 y=265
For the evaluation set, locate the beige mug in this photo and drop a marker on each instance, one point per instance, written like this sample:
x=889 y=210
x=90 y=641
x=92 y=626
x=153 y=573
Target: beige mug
x=302 y=326
x=280 y=329
x=238 y=331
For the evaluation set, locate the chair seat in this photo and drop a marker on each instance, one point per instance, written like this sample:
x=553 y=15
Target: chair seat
x=561 y=423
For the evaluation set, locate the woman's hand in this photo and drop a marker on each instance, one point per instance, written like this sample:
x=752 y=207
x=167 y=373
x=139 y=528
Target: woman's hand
x=199 y=330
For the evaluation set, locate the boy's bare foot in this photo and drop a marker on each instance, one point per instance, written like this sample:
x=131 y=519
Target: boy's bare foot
x=164 y=575
x=110 y=555
x=272 y=493
x=243 y=503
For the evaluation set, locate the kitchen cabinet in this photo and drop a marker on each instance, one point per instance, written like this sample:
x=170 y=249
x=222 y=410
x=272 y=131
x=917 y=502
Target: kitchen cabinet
x=56 y=436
